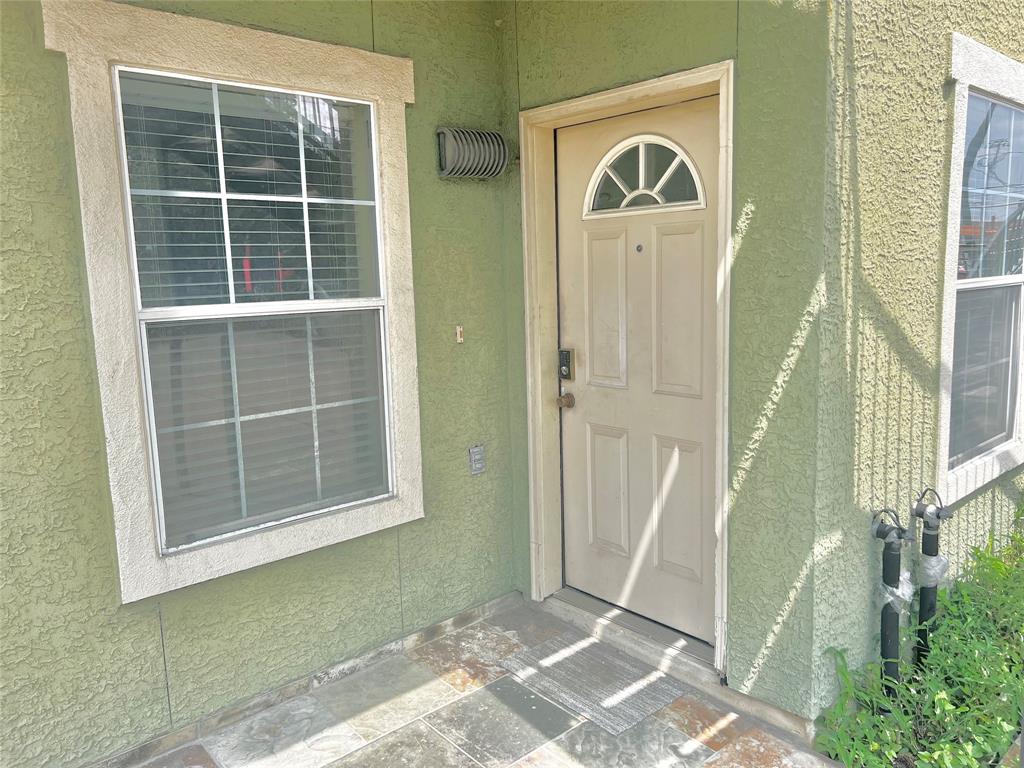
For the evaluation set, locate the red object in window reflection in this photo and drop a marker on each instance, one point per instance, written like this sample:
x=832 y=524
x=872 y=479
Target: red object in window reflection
x=247 y=269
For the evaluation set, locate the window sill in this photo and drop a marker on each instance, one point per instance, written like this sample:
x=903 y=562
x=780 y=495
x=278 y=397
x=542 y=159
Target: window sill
x=144 y=572
x=964 y=480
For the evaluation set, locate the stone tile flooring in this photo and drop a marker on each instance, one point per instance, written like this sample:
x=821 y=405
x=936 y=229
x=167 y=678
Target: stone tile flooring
x=449 y=704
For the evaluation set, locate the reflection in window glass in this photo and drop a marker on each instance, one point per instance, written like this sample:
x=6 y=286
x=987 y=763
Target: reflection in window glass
x=343 y=243
x=680 y=186
x=987 y=339
x=658 y=160
x=268 y=245
x=609 y=194
x=179 y=249
x=261 y=142
x=992 y=200
x=338 y=145
x=627 y=166
x=169 y=133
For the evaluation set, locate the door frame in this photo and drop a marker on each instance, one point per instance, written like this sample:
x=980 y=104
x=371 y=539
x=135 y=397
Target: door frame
x=540 y=242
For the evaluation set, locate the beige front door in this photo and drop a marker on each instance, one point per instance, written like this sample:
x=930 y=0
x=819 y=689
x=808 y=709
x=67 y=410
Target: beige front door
x=637 y=248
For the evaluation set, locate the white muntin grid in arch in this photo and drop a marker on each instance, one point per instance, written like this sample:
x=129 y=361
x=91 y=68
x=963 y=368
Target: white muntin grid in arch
x=642 y=173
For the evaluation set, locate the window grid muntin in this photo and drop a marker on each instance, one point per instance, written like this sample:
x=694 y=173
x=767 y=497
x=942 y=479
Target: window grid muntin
x=954 y=462
x=233 y=310
x=224 y=195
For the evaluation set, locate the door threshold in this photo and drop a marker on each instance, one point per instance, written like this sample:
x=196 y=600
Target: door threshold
x=648 y=629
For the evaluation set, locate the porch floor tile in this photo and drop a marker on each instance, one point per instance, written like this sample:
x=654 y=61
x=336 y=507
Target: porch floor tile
x=502 y=722
x=415 y=745
x=467 y=658
x=708 y=724
x=763 y=750
x=448 y=703
x=300 y=733
x=192 y=756
x=528 y=626
x=377 y=700
x=650 y=742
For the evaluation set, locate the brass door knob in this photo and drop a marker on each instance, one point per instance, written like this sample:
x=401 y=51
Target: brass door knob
x=568 y=400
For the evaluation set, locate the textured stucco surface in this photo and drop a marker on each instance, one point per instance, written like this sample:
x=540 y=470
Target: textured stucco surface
x=890 y=135
x=840 y=174
x=80 y=674
x=84 y=676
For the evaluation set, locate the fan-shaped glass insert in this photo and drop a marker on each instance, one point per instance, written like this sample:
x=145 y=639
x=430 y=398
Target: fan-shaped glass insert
x=644 y=172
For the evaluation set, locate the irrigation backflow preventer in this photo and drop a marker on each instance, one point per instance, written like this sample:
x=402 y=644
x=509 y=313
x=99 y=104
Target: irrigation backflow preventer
x=897 y=589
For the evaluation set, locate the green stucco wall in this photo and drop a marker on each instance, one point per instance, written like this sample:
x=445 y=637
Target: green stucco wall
x=840 y=171
x=890 y=135
x=83 y=676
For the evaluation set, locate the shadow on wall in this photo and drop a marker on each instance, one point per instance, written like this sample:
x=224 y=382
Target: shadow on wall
x=891 y=175
x=865 y=349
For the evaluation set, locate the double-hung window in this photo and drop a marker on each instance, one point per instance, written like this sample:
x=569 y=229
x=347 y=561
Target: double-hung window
x=254 y=223
x=983 y=341
x=245 y=219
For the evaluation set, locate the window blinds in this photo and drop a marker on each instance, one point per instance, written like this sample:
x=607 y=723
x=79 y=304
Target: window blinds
x=242 y=198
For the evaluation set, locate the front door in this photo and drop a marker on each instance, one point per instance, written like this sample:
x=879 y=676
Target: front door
x=637 y=247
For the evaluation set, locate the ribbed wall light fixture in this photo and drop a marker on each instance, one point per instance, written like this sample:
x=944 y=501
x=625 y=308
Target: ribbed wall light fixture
x=463 y=153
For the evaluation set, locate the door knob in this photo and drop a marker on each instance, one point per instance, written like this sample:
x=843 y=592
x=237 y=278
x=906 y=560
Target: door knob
x=568 y=400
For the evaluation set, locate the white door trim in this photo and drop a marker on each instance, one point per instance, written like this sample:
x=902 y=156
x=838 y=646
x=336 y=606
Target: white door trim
x=537 y=136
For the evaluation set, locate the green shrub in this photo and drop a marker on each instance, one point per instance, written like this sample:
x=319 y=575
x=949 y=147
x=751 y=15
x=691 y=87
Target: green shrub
x=962 y=707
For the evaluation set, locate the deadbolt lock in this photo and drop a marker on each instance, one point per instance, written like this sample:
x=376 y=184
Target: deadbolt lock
x=566 y=365
x=568 y=400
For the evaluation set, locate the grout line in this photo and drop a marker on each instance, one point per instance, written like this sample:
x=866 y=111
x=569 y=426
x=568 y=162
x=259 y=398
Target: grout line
x=435 y=730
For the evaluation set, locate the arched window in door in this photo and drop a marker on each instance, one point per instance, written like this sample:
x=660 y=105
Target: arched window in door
x=642 y=173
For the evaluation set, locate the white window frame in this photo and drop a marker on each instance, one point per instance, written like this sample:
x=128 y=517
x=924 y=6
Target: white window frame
x=98 y=37
x=978 y=68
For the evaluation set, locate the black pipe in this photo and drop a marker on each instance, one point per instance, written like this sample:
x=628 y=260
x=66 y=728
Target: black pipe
x=891 y=616
x=932 y=516
x=927 y=600
x=893 y=534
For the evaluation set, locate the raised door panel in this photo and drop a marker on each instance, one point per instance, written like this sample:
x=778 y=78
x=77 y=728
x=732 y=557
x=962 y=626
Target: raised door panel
x=677 y=308
x=678 y=508
x=608 y=488
x=605 y=307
